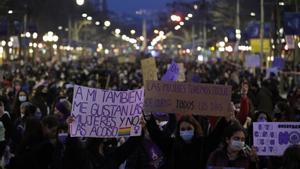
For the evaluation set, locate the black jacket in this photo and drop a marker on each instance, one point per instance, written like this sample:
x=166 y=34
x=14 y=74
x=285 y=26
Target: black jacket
x=182 y=155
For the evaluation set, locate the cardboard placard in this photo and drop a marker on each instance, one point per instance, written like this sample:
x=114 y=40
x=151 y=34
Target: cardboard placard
x=149 y=69
x=106 y=113
x=176 y=97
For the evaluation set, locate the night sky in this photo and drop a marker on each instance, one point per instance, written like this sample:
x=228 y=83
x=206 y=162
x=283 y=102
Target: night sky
x=130 y=6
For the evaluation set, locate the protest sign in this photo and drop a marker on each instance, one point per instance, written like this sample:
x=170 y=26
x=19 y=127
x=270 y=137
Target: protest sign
x=181 y=77
x=271 y=70
x=106 y=113
x=256 y=44
x=149 y=69
x=278 y=62
x=290 y=41
x=176 y=97
x=252 y=61
x=122 y=59
x=272 y=138
x=172 y=73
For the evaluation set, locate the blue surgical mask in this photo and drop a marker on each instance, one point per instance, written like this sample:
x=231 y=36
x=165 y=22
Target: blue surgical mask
x=62 y=137
x=187 y=135
x=237 y=145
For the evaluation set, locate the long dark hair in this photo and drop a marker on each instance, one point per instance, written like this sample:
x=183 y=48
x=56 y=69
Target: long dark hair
x=189 y=119
x=234 y=127
x=16 y=105
x=33 y=135
x=291 y=157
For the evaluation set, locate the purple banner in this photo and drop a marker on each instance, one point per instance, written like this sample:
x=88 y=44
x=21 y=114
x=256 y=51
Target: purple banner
x=172 y=73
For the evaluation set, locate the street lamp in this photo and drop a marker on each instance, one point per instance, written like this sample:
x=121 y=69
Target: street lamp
x=89 y=18
x=175 y=18
x=84 y=15
x=79 y=2
x=34 y=35
x=107 y=23
x=97 y=23
x=117 y=31
x=10 y=12
x=132 y=32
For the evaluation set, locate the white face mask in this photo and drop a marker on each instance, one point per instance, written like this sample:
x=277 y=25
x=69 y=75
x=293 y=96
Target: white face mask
x=237 y=145
x=22 y=98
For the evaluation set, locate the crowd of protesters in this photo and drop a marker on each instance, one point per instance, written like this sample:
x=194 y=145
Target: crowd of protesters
x=35 y=106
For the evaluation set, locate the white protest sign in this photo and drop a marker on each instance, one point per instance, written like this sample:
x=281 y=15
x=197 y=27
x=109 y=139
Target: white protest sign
x=272 y=138
x=106 y=113
x=252 y=61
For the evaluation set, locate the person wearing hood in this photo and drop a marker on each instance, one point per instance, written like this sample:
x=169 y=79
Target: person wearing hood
x=62 y=110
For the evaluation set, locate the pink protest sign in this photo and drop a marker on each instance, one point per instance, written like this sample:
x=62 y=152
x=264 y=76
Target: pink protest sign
x=272 y=138
x=106 y=113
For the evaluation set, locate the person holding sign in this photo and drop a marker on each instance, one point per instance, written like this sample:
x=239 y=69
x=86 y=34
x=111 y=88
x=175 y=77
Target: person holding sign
x=234 y=153
x=98 y=159
x=188 y=149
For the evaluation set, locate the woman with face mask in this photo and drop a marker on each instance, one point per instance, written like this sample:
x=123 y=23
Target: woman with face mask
x=234 y=153
x=188 y=148
x=21 y=97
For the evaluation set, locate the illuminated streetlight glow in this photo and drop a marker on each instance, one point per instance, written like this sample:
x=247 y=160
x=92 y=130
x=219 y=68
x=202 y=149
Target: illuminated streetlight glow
x=195 y=7
x=79 y=2
x=156 y=31
x=252 y=14
x=132 y=32
x=3 y=43
x=175 y=18
x=10 y=12
x=281 y=3
x=97 y=23
x=60 y=28
x=187 y=18
x=142 y=38
x=34 y=35
x=27 y=34
x=117 y=31
x=89 y=18
x=107 y=23
x=84 y=15
x=177 y=27
x=190 y=15
x=181 y=23
x=100 y=46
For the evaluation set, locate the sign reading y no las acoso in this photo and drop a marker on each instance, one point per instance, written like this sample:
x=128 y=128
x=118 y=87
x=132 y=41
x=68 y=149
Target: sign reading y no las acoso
x=106 y=113
x=176 y=97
